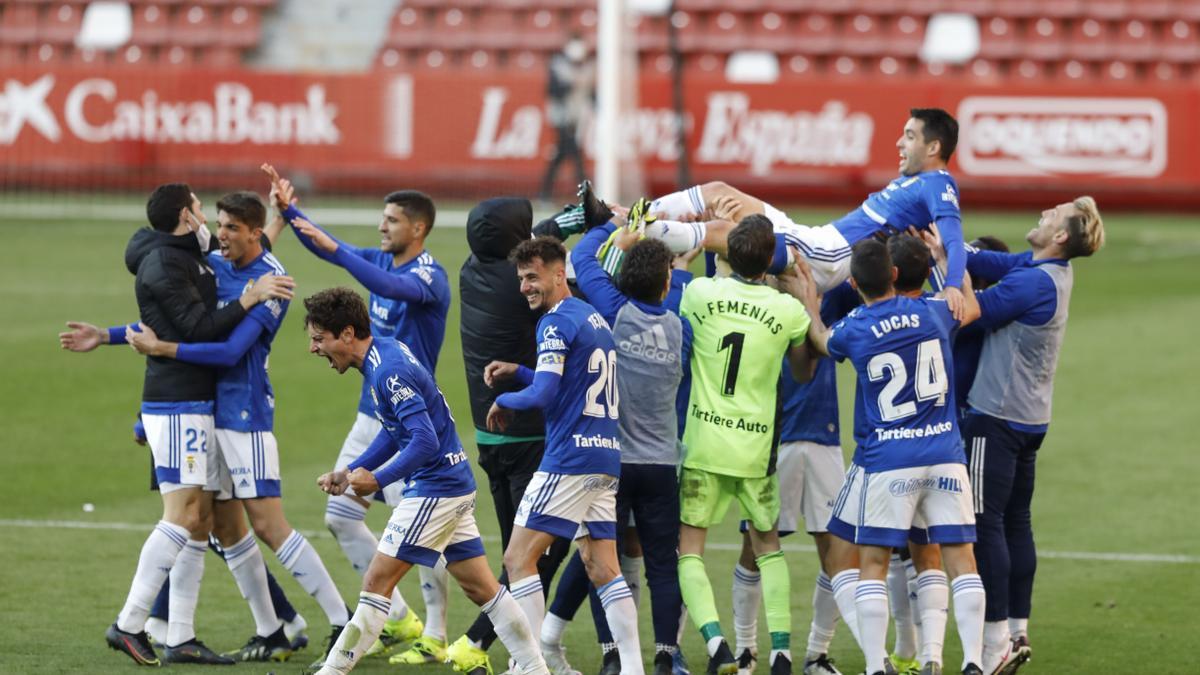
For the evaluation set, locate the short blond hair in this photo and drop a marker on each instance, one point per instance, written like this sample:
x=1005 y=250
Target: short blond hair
x=1085 y=229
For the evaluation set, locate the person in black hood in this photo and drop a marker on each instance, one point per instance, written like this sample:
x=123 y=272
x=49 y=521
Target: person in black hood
x=496 y=323
x=176 y=294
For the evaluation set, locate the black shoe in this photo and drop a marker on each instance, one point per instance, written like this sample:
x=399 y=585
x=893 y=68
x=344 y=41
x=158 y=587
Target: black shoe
x=822 y=665
x=595 y=212
x=972 y=669
x=747 y=660
x=782 y=665
x=195 y=651
x=722 y=663
x=334 y=633
x=664 y=663
x=299 y=642
x=136 y=645
x=612 y=663
x=274 y=647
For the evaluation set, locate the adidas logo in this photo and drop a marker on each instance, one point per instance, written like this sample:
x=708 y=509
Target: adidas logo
x=388 y=539
x=651 y=344
x=244 y=483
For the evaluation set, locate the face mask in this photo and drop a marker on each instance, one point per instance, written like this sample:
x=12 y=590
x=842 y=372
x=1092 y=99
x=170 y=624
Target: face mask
x=576 y=51
x=203 y=235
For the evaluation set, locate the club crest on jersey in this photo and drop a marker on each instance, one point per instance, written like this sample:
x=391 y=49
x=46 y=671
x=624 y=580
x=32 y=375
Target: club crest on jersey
x=399 y=391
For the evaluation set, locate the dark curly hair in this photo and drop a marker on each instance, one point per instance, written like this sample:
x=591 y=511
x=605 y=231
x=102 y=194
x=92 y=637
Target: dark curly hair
x=335 y=308
x=645 y=271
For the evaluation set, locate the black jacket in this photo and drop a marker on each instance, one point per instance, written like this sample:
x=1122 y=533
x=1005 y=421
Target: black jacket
x=496 y=322
x=177 y=297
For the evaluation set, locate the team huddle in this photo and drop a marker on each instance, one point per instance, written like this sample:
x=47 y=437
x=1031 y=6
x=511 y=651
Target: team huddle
x=620 y=404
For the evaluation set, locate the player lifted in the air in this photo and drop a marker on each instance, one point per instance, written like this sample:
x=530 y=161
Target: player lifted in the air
x=573 y=494
x=924 y=193
x=419 y=449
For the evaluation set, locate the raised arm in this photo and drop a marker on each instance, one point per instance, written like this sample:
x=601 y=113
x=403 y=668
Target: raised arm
x=415 y=286
x=595 y=283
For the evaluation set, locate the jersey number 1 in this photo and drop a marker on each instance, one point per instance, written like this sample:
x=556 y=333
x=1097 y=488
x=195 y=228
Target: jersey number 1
x=606 y=384
x=733 y=342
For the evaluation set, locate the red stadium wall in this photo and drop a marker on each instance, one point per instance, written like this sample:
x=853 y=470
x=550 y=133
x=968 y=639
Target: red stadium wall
x=472 y=135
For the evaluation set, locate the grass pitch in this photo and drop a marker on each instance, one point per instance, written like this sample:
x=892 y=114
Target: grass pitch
x=1118 y=469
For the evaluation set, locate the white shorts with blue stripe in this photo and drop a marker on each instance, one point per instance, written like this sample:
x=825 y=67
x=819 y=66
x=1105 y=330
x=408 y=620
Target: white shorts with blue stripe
x=185 y=450
x=924 y=504
x=824 y=248
x=422 y=529
x=570 y=506
x=249 y=466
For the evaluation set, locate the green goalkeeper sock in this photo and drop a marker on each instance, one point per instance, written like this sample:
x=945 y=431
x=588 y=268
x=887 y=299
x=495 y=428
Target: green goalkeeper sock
x=777 y=593
x=698 y=595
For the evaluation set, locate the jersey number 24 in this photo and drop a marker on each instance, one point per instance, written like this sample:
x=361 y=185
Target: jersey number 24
x=931 y=383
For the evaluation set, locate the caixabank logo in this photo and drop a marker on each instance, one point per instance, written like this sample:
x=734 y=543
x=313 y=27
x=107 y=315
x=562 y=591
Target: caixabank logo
x=100 y=110
x=1062 y=136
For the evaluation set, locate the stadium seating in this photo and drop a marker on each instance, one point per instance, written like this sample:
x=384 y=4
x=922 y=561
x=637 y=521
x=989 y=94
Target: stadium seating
x=1054 y=40
x=163 y=32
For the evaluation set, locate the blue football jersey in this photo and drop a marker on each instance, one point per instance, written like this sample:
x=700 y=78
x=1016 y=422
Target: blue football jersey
x=245 y=400
x=901 y=351
x=915 y=200
x=420 y=326
x=399 y=386
x=810 y=410
x=581 y=422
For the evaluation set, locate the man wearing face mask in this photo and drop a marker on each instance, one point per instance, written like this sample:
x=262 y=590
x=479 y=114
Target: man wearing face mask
x=177 y=297
x=568 y=95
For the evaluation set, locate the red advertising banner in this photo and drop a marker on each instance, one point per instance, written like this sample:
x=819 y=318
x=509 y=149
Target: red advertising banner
x=471 y=135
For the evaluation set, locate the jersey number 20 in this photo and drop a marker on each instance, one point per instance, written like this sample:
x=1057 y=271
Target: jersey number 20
x=930 y=385
x=605 y=385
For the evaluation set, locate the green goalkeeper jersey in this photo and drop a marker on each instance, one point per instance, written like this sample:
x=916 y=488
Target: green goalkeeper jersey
x=741 y=331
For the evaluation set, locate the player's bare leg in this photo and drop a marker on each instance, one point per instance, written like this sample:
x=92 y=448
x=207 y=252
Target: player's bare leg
x=703 y=214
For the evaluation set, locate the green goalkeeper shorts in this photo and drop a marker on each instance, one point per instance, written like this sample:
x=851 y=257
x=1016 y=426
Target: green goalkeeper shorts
x=704 y=498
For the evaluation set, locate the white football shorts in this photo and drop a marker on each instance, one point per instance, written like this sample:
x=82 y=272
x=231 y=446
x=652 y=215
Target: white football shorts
x=570 y=506
x=810 y=475
x=422 y=529
x=185 y=450
x=249 y=466
x=824 y=248
x=927 y=504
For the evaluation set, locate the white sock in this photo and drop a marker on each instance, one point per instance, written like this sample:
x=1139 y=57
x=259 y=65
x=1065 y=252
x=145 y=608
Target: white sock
x=299 y=558
x=933 y=599
x=185 y=592
x=399 y=609
x=434 y=589
x=345 y=519
x=528 y=594
x=631 y=570
x=360 y=633
x=1018 y=627
x=156 y=628
x=906 y=632
x=996 y=641
x=825 y=616
x=969 y=600
x=294 y=627
x=245 y=562
x=683 y=622
x=679 y=237
x=689 y=202
x=845 y=584
x=513 y=630
x=553 y=627
x=747 y=598
x=154 y=564
x=617 y=600
x=871 y=604
x=910 y=574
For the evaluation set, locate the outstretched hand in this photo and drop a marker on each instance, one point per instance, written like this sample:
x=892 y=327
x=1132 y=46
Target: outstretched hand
x=83 y=337
x=318 y=236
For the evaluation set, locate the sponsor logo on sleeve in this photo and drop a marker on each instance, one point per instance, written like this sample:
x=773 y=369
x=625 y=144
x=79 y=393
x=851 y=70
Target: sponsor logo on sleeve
x=399 y=391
